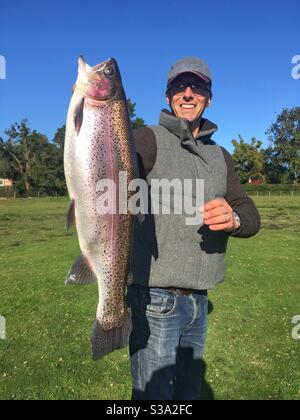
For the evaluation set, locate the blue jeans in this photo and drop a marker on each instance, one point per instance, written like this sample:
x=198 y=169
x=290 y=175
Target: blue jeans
x=167 y=343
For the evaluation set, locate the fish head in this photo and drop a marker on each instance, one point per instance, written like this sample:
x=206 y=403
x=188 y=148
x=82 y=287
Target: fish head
x=101 y=83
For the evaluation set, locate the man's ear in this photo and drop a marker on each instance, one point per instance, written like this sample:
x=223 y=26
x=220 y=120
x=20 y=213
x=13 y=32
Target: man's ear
x=168 y=99
x=208 y=102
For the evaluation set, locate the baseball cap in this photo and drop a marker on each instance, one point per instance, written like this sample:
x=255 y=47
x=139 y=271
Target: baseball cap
x=190 y=65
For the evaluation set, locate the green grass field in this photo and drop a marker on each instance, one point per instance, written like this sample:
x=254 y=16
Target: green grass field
x=250 y=351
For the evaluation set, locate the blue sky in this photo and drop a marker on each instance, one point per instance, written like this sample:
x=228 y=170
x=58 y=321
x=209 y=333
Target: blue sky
x=249 y=46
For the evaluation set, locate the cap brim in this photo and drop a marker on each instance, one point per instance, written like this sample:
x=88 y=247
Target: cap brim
x=200 y=75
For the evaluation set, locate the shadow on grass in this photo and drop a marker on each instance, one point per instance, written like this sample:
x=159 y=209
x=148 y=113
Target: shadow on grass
x=184 y=386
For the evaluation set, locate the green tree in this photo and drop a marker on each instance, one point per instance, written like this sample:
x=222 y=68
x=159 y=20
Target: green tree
x=249 y=159
x=33 y=161
x=17 y=151
x=59 y=142
x=135 y=122
x=48 y=174
x=283 y=155
x=5 y=170
x=59 y=138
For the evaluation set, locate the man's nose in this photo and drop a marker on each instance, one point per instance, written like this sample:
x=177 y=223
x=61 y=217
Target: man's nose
x=188 y=93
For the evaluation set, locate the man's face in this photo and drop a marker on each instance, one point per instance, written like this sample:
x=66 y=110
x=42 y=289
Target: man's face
x=188 y=96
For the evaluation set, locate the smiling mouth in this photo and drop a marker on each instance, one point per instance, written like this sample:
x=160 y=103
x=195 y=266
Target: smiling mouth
x=187 y=106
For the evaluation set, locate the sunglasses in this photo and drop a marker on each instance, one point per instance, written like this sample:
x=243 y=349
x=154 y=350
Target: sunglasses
x=197 y=87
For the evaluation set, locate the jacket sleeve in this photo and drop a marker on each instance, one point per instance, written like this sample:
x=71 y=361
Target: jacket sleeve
x=146 y=148
x=241 y=203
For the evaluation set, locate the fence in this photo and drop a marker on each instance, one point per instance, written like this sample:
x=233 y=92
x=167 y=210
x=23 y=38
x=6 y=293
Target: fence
x=273 y=193
x=8 y=193
x=273 y=190
x=265 y=190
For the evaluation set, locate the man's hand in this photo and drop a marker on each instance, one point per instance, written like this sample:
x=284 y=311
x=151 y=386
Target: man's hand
x=218 y=215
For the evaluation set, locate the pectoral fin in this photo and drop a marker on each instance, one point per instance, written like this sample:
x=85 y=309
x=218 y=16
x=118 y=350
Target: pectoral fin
x=78 y=114
x=70 y=219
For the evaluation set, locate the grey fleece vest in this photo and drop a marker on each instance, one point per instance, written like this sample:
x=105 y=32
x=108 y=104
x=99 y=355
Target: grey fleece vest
x=165 y=251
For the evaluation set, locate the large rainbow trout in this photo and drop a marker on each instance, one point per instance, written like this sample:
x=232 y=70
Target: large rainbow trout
x=98 y=145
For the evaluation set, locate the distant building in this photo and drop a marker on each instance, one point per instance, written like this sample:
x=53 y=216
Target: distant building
x=6 y=183
x=255 y=181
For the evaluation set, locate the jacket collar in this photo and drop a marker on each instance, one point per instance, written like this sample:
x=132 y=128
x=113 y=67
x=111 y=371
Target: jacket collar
x=181 y=127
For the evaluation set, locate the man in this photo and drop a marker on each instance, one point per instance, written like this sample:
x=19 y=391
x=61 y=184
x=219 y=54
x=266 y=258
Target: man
x=175 y=264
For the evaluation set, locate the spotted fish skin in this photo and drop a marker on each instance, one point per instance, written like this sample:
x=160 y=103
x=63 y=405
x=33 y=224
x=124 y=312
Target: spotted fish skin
x=98 y=145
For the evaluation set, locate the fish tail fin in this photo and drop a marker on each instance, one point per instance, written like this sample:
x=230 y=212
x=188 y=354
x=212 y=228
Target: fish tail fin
x=81 y=272
x=104 y=342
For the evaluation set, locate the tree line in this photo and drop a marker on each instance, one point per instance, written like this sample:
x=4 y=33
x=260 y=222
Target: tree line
x=279 y=163
x=35 y=163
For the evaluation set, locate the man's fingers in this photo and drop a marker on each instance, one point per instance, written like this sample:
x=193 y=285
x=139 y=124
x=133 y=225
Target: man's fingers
x=218 y=215
x=218 y=227
x=218 y=211
x=217 y=202
x=223 y=219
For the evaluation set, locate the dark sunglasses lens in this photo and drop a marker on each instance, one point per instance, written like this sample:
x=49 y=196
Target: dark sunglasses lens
x=197 y=88
x=178 y=87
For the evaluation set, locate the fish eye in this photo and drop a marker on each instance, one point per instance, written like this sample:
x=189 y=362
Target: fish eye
x=109 y=71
